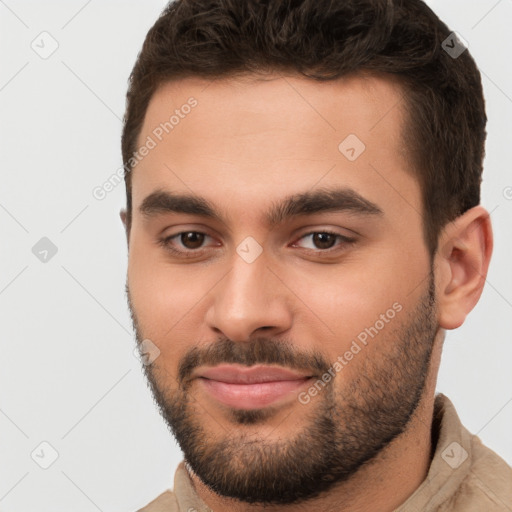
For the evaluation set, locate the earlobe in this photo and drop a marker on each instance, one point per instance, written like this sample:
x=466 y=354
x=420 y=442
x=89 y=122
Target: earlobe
x=462 y=262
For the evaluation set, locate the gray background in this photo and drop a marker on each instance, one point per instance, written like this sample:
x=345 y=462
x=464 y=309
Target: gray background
x=68 y=375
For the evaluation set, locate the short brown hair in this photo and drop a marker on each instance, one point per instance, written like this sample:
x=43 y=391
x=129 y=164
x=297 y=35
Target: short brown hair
x=324 y=40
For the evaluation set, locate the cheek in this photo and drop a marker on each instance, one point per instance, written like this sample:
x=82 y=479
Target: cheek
x=164 y=297
x=340 y=303
x=163 y=303
x=337 y=306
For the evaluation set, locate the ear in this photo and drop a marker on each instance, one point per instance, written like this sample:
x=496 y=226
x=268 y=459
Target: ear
x=461 y=262
x=124 y=218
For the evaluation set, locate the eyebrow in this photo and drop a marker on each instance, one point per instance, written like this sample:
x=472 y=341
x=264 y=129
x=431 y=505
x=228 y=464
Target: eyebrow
x=301 y=204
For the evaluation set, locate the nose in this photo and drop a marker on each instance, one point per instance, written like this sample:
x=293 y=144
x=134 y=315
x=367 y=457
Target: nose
x=249 y=301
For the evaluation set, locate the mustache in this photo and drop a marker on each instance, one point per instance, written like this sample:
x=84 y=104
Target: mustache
x=257 y=351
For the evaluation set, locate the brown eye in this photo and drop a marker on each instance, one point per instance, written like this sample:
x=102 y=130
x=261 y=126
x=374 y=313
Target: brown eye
x=187 y=244
x=324 y=240
x=192 y=239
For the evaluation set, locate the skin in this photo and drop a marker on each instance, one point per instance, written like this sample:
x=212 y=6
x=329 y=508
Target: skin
x=246 y=145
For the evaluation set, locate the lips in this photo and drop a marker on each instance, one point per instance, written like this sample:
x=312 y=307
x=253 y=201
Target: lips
x=252 y=387
x=237 y=374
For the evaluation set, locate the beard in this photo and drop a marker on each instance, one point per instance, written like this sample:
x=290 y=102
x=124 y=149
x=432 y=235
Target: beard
x=343 y=428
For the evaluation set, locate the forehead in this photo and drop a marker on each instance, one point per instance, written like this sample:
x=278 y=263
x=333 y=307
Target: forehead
x=357 y=103
x=248 y=138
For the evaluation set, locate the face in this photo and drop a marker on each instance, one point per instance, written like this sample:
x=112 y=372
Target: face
x=277 y=262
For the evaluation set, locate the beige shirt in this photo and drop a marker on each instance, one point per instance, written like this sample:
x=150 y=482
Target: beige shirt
x=464 y=476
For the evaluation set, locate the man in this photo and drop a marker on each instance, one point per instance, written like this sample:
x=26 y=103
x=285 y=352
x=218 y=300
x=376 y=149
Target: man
x=303 y=223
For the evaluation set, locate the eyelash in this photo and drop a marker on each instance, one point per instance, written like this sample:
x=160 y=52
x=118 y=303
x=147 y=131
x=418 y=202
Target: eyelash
x=343 y=242
x=191 y=253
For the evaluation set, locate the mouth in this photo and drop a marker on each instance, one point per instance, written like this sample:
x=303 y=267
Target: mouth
x=252 y=387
